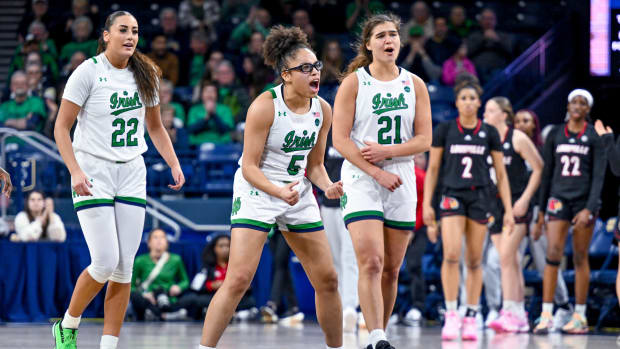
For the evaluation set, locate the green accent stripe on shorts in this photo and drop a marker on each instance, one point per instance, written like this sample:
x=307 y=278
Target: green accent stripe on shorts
x=130 y=199
x=363 y=213
x=94 y=203
x=399 y=223
x=305 y=226
x=252 y=222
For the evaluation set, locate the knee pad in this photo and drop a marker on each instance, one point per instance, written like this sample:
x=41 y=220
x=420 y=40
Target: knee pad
x=553 y=263
x=100 y=272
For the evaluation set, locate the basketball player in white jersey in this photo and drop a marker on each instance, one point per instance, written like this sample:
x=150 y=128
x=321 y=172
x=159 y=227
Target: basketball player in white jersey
x=111 y=95
x=284 y=146
x=382 y=118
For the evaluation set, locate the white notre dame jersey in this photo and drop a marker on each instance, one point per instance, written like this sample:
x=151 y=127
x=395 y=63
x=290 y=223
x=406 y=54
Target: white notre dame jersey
x=110 y=124
x=384 y=110
x=291 y=138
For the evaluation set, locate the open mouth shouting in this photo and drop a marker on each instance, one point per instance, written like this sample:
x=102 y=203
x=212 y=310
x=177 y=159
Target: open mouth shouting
x=314 y=85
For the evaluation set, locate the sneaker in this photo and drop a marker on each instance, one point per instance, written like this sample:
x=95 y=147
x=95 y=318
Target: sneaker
x=491 y=316
x=65 y=338
x=451 y=326
x=268 y=314
x=384 y=345
x=180 y=314
x=515 y=323
x=292 y=317
x=523 y=322
x=577 y=325
x=544 y=324
x=470 y=329
x=349 y=319
x=562 y=317
x=479 y=321
x=499 y=325
x=413 y=317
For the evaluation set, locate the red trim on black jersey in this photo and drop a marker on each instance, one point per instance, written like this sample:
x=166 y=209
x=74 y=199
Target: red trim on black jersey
x=585 y=125
x=458 y=123
x=505 y=135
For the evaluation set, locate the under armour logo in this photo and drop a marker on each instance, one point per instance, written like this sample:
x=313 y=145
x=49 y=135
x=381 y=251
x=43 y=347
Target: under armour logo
x=281 y=113
x=103 y=79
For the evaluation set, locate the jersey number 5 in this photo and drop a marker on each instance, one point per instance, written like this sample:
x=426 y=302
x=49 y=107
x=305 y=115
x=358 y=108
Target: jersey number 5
x=387 y=120
x=566 y=162
x=117 y=135
x=293 y=169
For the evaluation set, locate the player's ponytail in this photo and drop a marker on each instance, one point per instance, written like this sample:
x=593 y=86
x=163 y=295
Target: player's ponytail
x=364 y=56
x=145 y=71
x=505 y=105
x=281 y=45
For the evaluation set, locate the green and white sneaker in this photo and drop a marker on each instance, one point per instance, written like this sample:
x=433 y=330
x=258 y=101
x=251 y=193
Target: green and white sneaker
x=65 y=337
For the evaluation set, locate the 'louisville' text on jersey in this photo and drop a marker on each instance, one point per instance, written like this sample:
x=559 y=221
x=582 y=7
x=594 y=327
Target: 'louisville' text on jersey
x=293 y=142
x=572 y=148
x=384 y=104
x=126 y=103
x=467 y=149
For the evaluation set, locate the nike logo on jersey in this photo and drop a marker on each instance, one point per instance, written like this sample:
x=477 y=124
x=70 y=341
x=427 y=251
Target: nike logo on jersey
x=382 y=104
x=124 y=104
x=293 y=142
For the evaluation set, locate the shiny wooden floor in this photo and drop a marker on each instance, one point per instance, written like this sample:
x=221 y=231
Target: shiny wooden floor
x=256 y=336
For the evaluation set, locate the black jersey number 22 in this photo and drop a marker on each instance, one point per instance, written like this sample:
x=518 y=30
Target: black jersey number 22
x=387 y=122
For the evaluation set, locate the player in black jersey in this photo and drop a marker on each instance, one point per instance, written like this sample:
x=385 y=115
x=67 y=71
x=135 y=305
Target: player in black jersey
x=517 y=148
x=461 y=147
x=570 y=191
x=613 y=153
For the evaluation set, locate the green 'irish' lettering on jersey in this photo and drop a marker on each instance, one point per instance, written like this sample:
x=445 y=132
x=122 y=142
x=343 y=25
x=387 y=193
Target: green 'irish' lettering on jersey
x=124 y=104
x=293 y=142
x=382 y=104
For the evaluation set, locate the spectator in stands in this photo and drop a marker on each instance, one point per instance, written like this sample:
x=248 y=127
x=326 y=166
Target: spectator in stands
x=167 y=61
x=37 y=84
x=158 y=279
x=459 y=23
x=331 y=13
x=255 y=46
x=457 y=65
x=29 y=53
x=258 y=20
x=38 y=221
x=210 y=278
x=166 y=93
x=41 y=35
x=38 y=12
x=441 y=45
x=79 y=8
x=416 y=249
x=215 y=58
x=282 y=288
x=230 y=92
x=76 y=59
x=257 y=76
x=210 y=121
x=82 y=29
x=315 y=39
x=7 y=185
x=199 y=14
x=199 y=45
x=178 y=135
x=489 y=49
x=333 y=63
x=420 y=16
x=301 y=18
x=22 y=112
x=176 y=39
x=417 y=60
x=358 y=10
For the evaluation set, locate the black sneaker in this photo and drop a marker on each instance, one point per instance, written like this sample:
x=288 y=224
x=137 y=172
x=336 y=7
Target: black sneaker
x=384 y=345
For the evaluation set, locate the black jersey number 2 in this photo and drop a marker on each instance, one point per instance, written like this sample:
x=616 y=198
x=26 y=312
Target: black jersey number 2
x=117 y=135
x=387 y=120
x=467 y=162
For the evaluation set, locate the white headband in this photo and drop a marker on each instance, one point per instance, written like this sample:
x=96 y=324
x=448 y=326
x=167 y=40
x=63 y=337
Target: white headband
x=583 y=93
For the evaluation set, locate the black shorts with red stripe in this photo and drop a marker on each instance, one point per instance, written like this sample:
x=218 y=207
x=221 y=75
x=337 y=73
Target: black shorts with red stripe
x=565 y=210
x=471 y=203
x=496 y=221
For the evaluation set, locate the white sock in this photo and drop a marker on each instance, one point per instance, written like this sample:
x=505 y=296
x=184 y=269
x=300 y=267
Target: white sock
x=375 y=336
x=548 y=307
x=520 y=306
x=108 y=342
x=70 y=322
x=203 y=347
x=509 y=306
x=328 y=347
x=580 y=309
x=450 y=305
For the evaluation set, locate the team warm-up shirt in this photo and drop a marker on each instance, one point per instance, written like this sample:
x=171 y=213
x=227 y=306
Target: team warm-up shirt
x=384 y=110
x=110 y=124
x=465 y=152
x=574 y=166
x=291 y=138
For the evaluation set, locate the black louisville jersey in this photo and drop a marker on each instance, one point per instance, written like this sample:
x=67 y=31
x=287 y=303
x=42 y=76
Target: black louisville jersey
x=465 y=151
x=516 y=168
x=574 y=165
